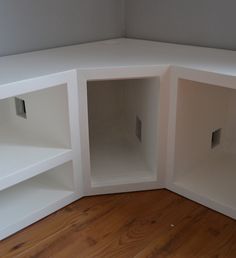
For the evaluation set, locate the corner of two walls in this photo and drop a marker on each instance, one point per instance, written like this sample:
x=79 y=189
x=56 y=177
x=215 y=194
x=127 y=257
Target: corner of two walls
x=33 y=25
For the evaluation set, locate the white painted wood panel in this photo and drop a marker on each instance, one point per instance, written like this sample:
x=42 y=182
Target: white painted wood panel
x=35 y=198
x=114 y=53
x=198 y=170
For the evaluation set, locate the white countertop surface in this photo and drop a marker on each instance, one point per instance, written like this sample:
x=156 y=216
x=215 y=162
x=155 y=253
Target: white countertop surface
x=114 y=53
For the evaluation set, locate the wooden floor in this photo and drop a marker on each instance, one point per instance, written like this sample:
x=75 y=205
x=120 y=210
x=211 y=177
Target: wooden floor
x=143 y=224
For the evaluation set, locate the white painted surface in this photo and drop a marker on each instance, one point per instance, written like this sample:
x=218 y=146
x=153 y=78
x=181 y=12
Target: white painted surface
x=41 y=141
x=230 y=126
x=46 y=124
x=213 y=179
x=195 y=169
x=111 y=74
x=114 y=53
x=117 y=159
x=142 y=100
x=67 y=119
x=117 y=156
x=49 y=137
x=201 y=109
x=33 y=199
x=21 y=162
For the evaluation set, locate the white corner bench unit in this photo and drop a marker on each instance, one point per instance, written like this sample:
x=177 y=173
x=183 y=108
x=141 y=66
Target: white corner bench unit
x=115 y=116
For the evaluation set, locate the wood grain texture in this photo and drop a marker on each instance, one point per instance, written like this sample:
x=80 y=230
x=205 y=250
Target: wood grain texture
x=142 y=224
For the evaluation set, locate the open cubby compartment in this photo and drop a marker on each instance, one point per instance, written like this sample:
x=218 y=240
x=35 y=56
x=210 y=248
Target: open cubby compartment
x=205 y=145
x=123 y=130
x=35 y=198
x=34 y=129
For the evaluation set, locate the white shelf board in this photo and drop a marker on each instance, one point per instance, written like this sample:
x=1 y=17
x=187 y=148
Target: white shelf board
x=214 y=180
x=25 y=203
x=116 y=160
x=114 y=54
x=22 y=158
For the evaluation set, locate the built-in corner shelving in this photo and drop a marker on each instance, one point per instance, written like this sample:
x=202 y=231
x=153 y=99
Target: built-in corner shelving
x=115 y=116
x=123 y=121
x=37 y=168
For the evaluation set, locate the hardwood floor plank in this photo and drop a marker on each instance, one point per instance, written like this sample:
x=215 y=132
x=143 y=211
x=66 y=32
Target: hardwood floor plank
x=44 y=231
x=141 y=224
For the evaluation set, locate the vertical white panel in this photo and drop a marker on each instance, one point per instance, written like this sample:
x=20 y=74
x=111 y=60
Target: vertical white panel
x=47 y=116
x=201 y=109
x=142 y=101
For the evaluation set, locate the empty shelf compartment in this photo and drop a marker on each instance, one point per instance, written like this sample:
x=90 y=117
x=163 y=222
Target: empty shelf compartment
x=28 y=201
x=34 y=134
x=123 y=128
x=205 y=145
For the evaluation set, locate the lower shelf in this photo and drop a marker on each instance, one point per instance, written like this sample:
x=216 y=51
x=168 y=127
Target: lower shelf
x=21 y=162
x=21 y=157
x=117 y=160
x=29 y=201
x=213 y=181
